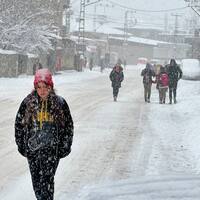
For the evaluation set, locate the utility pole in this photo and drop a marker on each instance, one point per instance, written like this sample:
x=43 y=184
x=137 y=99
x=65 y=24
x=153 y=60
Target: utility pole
x=176 y=26
x=195 y=42
x=124 y=45
x=81 y=29
x=166 y=22
x=126 y=26
x=175 y=33
x=66 y=17
x=194 y=5
x=128 y=22
x=95 y=18
x=81 y=47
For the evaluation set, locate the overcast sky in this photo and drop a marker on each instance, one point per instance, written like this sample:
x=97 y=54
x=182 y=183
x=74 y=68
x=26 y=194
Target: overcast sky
x=146 y=12
x=152 y=4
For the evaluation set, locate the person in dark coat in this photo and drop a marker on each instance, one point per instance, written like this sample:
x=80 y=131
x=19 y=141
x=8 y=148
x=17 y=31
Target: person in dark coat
x=124 y=63
x=175 y=74
x=91 y=64
x=102 y=63
x=37 y=65
x=43 y=133
x=148 y=74
x=116 y=77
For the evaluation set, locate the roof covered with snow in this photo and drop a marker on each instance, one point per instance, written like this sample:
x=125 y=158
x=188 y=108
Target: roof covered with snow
x=141 y=40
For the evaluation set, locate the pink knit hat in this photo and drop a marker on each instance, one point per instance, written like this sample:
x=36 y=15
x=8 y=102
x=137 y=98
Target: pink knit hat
x=43 y=75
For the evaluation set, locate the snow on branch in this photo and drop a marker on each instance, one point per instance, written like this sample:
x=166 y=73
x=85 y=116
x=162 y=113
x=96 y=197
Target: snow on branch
x=25 y=27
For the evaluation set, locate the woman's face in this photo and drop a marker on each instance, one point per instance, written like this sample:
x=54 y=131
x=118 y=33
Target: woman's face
x=43 y=90
x=117 y=68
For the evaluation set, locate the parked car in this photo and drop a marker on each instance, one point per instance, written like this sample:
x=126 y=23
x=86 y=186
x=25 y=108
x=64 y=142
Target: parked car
x=191 y=69
x=142 y=61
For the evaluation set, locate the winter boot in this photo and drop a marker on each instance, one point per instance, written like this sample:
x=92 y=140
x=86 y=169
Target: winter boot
x=115 y=98
x=170 y=101
x=163 y=101
x=175 y=100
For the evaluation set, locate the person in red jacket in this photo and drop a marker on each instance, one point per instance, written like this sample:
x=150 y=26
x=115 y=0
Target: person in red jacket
x=162 y=84
x=43 y=133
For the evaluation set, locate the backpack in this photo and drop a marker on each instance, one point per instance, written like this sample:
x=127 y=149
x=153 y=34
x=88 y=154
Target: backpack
x=164 y=79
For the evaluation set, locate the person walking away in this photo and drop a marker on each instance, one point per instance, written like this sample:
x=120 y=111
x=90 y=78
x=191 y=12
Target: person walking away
x=102 y=63
x=162 y=84
x=116 y=77
x=82 y=63
x=76 y=61
x=91 y=64
x=43 y=133
x=175 y=74
x=124 y=63
x=37 y=65
x=147 y=73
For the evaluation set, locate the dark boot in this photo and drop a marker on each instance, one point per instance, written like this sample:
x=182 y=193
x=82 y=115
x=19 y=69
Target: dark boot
x=163 y=101
x=170 y=101
x=175 y=100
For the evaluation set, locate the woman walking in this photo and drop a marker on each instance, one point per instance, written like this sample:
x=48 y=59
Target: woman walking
x=175 y=74
x=147 y=74
x=43 y=133
x=116 y=77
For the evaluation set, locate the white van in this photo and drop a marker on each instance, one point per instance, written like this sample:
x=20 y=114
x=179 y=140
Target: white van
x=191 y=69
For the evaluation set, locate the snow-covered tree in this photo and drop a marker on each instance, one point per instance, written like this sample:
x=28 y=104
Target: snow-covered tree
x=26 y=26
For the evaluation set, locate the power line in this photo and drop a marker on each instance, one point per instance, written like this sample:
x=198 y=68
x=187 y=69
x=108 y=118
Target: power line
x=121 y=23
x=140 y=10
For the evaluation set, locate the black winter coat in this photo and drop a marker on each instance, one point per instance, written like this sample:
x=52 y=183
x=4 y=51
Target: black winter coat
x=175 y=73
x=116 y=78
x=147 y=74
x=62 y=124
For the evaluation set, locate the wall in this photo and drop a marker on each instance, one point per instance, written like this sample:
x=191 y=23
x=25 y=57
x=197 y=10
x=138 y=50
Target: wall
x=132 y=51
x=166 y=51
x=12 y=65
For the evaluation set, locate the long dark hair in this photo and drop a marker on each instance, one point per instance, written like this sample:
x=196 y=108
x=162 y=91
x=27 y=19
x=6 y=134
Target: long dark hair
x=173 y=62
x=55 y=107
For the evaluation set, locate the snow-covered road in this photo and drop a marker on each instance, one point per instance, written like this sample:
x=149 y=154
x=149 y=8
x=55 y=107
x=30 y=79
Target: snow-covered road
x=113 y=140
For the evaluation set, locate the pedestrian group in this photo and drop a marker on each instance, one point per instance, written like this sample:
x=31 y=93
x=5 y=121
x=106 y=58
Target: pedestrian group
x=167 y=78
